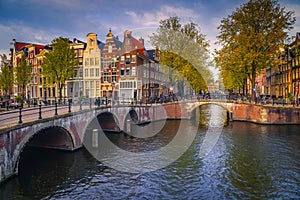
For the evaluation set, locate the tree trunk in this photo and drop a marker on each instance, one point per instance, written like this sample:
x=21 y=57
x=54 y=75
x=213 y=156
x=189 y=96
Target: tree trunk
x=253 y=96
x=60 y=93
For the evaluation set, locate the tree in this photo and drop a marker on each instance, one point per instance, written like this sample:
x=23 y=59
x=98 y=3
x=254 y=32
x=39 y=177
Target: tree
x=22 y=75
x=6 y=79
x=183 y=48
x=59 y=64
x=251 y=37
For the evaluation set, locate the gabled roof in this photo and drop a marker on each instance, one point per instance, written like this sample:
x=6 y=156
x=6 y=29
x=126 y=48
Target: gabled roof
x=22 y=46
x=138 y=45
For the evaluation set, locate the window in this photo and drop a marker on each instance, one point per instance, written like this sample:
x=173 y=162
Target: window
x=122 y=71
x=109 y=48
x=92 y=61
x=114 y=64
x=105 y=63
x=80 y=74
x=127 y=71
x=133 y=58
x=127 y=60
x=97 y=72
x=127 y=48
x=97 y=61
x=75 y=73
x=105 y=77
x=133 y=71
x=92 y=88
x=92 y=72
x=86 y=73
x=86 y=62
x=114 y=76
x=122 y=59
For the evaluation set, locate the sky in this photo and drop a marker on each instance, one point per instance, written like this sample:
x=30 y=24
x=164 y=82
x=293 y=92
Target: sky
x=40 y=21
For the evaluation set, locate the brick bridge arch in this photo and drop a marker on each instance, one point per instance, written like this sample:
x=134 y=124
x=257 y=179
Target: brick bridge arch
x=63 y=138
x=195 y=105
x=13 y=140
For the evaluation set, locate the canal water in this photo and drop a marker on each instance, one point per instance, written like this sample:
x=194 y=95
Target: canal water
x=248 y=161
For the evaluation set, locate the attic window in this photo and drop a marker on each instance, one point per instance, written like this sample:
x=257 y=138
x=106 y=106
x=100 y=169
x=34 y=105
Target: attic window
x=91 y=42
x=109 y=48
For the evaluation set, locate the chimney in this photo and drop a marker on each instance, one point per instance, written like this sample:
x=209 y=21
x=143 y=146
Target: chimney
x=127 y=33
x=141 y=41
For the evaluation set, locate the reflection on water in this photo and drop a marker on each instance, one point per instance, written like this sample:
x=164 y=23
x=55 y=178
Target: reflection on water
x=249 y=161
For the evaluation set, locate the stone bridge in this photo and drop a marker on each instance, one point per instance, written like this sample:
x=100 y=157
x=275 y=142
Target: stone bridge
x=67 y=131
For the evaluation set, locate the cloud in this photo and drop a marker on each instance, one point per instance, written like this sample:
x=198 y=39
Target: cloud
x=153 y=18
x=296 y=9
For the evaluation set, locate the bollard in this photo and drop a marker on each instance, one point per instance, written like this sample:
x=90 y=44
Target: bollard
x=40 y=111
x=90 y=103
x=20 y=115
x=69 y=106
x=55 y=108
x=230 y=116
x=80 y=105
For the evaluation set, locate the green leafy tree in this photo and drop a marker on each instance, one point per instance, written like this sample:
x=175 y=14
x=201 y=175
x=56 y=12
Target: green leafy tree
x=59 y=64
x=6 y=79
x=22 y=75
x=251 y=37
x=184 y=49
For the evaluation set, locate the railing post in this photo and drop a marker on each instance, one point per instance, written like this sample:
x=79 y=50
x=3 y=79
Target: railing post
x=90 y=103
x=99 y=102
x=20 y=115
x=40 y=111
x=80 y=105
x=106 y=102
x=69 y=106
x=55 y=108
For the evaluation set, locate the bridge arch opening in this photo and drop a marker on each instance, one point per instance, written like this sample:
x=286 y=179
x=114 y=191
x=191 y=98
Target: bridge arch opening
x=105 y=122
x=204 y=114
x=45 y=140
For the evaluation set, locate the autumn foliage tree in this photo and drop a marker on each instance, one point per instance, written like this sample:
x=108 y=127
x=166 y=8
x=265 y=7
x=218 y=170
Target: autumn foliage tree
x=59 y=64
x=6 y=77
x=183 y=49
x=250 y=38
x=22 y=75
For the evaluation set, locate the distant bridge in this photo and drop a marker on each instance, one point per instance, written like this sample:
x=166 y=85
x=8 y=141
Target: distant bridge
x=65 y=127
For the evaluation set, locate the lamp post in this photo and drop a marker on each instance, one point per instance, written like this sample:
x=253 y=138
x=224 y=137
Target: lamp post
x=297 y=93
